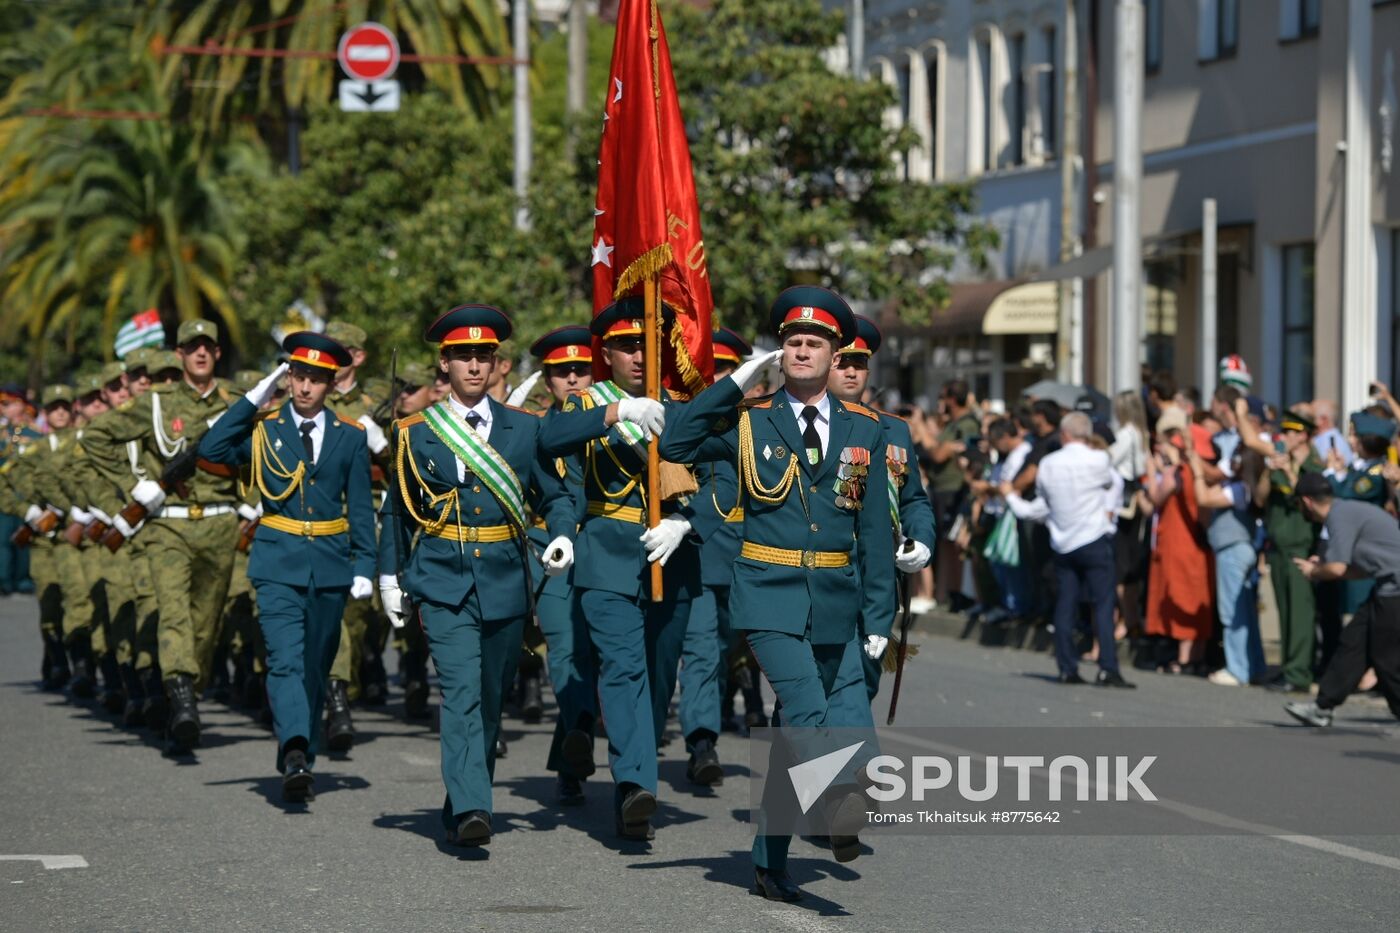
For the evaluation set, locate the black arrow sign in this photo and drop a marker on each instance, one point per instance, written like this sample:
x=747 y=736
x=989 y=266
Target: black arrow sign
x=369 y=95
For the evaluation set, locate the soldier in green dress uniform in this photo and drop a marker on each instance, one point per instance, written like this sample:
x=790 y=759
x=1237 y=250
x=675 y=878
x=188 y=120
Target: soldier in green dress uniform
x=817 y=560
x=565 y=356
x=464 y=471
x=910 y=510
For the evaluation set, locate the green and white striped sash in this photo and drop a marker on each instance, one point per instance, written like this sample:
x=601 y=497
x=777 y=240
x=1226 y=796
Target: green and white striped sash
x=605 y=394
x=480 y=458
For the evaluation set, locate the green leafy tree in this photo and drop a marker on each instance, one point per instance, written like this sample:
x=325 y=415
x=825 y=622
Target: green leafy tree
x=795 y=167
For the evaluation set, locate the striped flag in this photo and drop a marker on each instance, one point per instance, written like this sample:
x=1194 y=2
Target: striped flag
x=144 y=330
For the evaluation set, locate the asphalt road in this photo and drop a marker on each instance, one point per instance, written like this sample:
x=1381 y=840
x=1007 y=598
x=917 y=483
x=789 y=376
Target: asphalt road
x=206 y=844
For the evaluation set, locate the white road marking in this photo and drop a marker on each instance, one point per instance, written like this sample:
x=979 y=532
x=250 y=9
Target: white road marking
x=49 y=861
x=422 y=761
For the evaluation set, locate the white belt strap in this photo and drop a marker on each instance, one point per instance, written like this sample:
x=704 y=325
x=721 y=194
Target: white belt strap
x=196 y=512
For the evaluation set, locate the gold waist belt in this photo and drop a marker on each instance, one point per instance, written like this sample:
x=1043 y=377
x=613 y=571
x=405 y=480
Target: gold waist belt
x=623 y=513
x=336 y=526
x=735 y=516
x=465 y=534
x=811 y=560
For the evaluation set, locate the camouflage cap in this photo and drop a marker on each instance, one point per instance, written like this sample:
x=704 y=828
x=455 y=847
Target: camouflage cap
x=92 y=382
x=162 y=360
x=416 y=374
x=346 y=334
x=199 y=327
x=55 y=394
x=376 y=389
x=138 y=359
x=245 y=379
x=112 y=371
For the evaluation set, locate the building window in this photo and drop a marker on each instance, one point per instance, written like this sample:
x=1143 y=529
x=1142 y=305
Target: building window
x=1217 y=29
x=1049 y=111
x=984 y=67
x=904 y=92
x=1016 y=104
x=1395 y=310
x=1299 y=19
x=932 y=62
x=1152 y=38
x=1297 y=323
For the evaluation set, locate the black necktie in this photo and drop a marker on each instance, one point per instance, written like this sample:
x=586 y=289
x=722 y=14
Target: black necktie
x=306 y=428
x=810 y=438
x=474 y=420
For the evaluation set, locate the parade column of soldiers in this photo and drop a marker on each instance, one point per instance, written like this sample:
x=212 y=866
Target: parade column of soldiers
x=161 y=493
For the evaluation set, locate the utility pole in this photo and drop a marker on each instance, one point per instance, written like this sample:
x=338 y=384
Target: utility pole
x=855 y=38
x=520 y=28
x=1359 y=337
x=1208 y=350
x=1126 y=319
x=1069 y=359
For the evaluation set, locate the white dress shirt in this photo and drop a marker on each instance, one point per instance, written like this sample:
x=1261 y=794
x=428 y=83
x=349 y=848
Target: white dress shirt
x=483 y=427
x=317 y=435
x=823 y=422
x=1077 y=491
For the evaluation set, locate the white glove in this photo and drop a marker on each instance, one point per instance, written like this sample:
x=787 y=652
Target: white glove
x=374 y=434
x=149 y=494
x=121 y=525
x=558 y=556
x=100 y=515
x=663 y=540
x=392 y=597
x=911 y=559
x=32 y=515
x=249 y=513
x=81 y=516
x=646 y=413
x=748 y=374
x=875 y=646
x=521 y=392
x=361 y=588
x=262 y=393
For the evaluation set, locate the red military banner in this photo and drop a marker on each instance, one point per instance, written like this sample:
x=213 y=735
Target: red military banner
x=647 y=218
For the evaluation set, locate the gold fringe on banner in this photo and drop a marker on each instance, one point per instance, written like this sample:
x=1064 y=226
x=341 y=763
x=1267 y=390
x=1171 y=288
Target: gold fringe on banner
x=684 y=364
x=648 y=265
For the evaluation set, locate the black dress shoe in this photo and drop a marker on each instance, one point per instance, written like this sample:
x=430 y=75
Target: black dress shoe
x=1284 y=685
x=340 y=731
x=1113 y=679
x=531 y=699
x=568 y=790
x=775 y=886
x=845 y=818
x=473 y=829
x=296 y=777
x=577 y=749
x=501 y=748
x=704 y=768
x=634 y=815
x=1072 y=678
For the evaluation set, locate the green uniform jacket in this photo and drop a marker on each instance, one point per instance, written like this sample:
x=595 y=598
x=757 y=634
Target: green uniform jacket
x=444 y=571
x=184 y=417
x=336 y=485
x=1288 y=527
x=771 y=597
x=1365 y=484
x=610 y=555
x=916 y=519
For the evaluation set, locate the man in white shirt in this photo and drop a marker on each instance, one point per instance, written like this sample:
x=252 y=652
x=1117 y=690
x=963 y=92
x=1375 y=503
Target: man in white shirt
x=1078 y=492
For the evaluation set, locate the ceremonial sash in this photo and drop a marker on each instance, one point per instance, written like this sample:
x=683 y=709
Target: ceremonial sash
x=480 y=458
x=605 y=394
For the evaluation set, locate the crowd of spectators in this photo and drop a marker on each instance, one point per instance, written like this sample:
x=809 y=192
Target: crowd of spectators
x=1204 y=510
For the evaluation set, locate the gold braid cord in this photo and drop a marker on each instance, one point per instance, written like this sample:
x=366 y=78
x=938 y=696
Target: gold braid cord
x=404 y=456
x=586 y=402
x=748 y=470
x=265 y=458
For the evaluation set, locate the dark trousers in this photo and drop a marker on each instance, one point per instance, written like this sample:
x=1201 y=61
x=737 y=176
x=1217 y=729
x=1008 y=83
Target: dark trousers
x=1085 y=574
x=1371 y=639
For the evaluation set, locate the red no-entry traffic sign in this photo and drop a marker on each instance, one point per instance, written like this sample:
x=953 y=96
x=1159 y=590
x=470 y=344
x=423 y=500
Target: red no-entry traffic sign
x=369 y=52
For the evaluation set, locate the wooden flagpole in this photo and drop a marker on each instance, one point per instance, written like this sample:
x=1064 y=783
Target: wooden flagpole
x=653 y=387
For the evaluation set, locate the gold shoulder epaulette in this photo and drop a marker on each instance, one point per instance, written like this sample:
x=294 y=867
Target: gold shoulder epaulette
x=345 y=419
x=861 y=410
x=764 y=402
x=409 y=421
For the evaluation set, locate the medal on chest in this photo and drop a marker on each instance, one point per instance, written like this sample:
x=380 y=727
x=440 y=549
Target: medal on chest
x=897 y=463
x=851 y=478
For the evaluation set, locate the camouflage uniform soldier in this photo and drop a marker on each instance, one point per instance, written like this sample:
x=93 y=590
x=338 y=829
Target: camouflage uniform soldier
x=192 y=527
